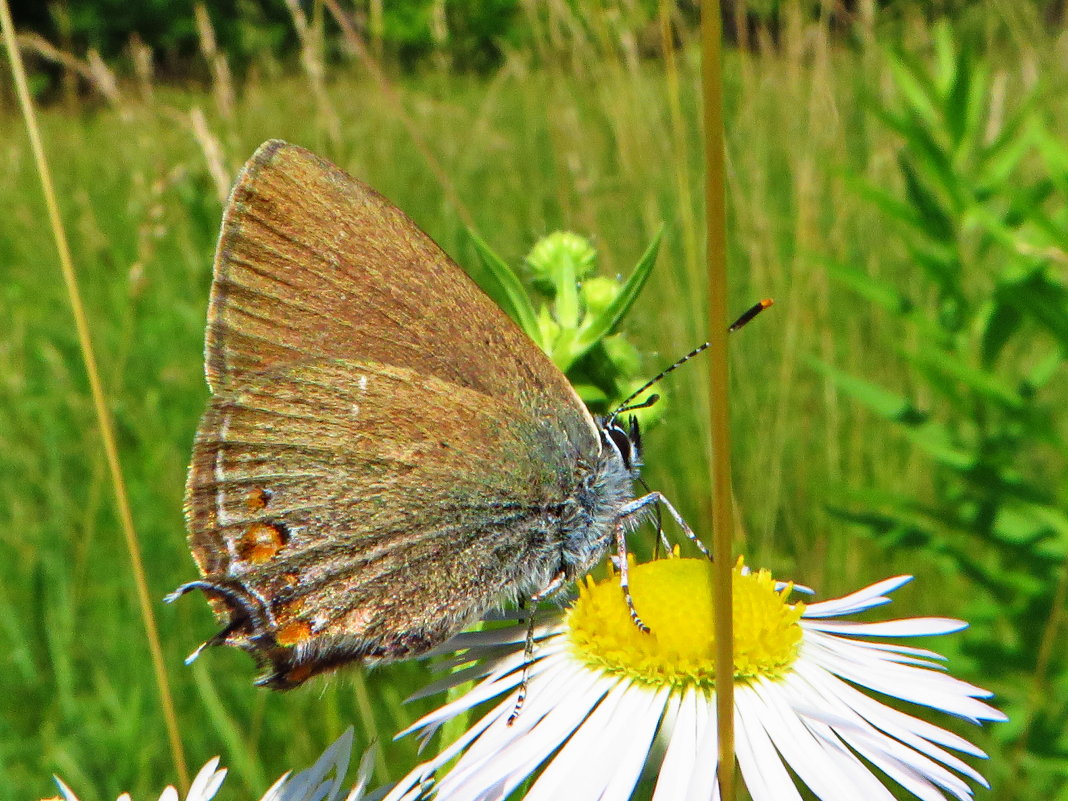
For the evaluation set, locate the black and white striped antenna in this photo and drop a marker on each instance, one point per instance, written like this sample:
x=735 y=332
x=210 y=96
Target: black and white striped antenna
x=625 y=406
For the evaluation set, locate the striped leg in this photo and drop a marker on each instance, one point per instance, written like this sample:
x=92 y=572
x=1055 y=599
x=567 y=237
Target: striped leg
x=624 y=576
x=629 y=515
x=554 y=586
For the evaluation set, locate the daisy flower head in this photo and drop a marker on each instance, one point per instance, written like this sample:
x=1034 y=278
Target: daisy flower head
x=607 y=704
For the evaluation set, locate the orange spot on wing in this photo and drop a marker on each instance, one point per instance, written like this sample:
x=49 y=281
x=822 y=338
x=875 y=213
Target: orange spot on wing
x=256 y=499
x=293 y=634
x=262 y=541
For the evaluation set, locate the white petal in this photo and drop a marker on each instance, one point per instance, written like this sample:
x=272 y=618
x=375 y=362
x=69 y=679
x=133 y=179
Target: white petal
x=859 y=601
x=901 y=763
x=762 y=768
x=206 y=783
x=66 y=792
x=363 y=774
x=913 y=732
x=509 y=753
x=703 y=780
x=512 y=635
x=681 y=755
x=826 y=772
x=905 y=627
x=312 y=784
x=925 y=687
x=484 y=691
x=493 y=668
x=274 y=792
x=526 y=751
x=913 y=771
x=168 y=794
x=629 y=754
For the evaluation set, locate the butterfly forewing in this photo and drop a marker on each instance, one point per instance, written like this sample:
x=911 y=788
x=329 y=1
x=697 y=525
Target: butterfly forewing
x=312 y=263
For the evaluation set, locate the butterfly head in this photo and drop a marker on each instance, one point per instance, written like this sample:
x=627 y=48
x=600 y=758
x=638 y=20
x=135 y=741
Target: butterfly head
x=625 y=440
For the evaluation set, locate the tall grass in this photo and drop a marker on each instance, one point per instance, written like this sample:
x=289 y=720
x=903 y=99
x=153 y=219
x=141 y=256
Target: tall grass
x=601 y=141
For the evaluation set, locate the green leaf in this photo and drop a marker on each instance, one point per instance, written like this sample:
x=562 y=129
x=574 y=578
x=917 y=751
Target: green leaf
x=939 y=261
x=1045 y=369
x=591 y=395
x=982 y=382
x=886 y=203
x=1003 y=321
x=956 y=106
x=947 y=59
x=605 y=323
x=881 y=293
x=977 y=108
x=1016 y=524
x=1000 y=158
x=507 y=289
x=919 y=94
x=1043 y=301
x=937 y=222
x=933 y=173
x=941 y=445
x=882 y=401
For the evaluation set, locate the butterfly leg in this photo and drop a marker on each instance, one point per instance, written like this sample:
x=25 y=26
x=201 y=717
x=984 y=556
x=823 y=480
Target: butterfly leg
x=554 y=586
x=624 y=576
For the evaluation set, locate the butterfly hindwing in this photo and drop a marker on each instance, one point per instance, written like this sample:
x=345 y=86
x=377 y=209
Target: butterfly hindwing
x=354 y=509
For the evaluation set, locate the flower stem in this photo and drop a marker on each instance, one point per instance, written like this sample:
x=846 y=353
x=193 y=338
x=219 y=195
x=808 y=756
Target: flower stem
x=722 y=516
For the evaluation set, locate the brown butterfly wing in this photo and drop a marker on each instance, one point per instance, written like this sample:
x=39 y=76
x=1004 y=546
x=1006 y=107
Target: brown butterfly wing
x=312 y=263
x=344 y=510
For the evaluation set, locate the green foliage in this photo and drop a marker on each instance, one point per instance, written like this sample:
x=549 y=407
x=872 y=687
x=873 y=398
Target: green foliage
x=470 y=32
x=985 y=223
x=577 y=316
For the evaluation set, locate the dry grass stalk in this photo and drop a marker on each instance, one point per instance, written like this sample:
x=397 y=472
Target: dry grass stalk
x=222 y=84
x=213 y=155
x=93 y=70
x=357 y=47
x=141 y=56
x=311 y=58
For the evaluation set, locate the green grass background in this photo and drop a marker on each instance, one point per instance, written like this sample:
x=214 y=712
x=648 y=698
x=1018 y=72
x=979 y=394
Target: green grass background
x=591 y=143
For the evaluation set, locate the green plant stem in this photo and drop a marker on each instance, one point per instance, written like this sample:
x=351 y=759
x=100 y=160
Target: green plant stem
x=722 y=513
x=103 y=416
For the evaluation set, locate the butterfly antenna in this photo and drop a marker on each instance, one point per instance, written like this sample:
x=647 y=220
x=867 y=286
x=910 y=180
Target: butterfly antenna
x=625 y=406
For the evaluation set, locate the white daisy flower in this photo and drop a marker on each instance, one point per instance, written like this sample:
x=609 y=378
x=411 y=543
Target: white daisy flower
x=607 y=704
x=323 y=781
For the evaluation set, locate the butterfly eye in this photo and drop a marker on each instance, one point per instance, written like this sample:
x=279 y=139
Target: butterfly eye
x=622 y=442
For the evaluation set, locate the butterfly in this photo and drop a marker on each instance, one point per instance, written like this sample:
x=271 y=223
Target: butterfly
x=385 y=454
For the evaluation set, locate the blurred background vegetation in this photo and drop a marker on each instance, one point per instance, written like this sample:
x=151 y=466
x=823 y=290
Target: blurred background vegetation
x=898 y=182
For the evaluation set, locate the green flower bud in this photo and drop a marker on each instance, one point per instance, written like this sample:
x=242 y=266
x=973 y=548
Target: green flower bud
x=560 y=256
x=598 y=293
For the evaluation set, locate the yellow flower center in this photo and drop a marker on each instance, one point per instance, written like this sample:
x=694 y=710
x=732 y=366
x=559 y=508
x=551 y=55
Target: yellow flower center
x=674 y=599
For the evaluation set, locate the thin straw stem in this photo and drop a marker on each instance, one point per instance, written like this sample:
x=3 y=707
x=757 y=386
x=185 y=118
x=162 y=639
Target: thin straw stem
x=107 y=431
x=392 y=98
x=722 y=515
